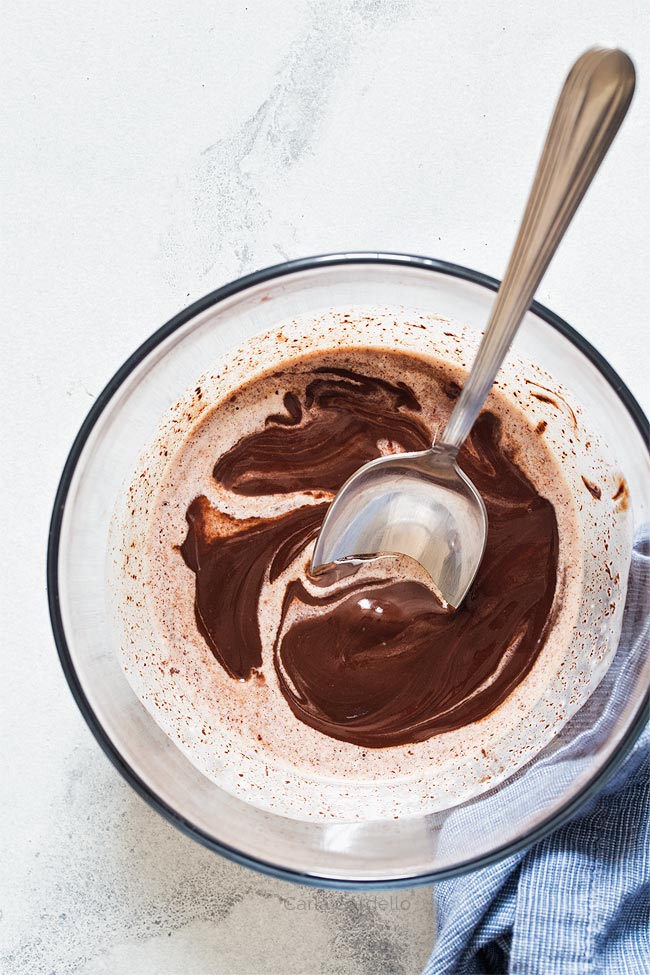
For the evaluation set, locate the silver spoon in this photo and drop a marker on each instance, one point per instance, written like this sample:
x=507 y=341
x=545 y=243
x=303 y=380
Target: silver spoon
x=422 y=504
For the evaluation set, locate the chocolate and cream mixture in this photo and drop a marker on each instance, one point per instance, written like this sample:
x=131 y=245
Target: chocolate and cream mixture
x=373 y=659
x=356 y=677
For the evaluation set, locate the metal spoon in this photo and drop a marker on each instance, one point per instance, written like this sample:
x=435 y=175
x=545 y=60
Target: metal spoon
x=422 y=504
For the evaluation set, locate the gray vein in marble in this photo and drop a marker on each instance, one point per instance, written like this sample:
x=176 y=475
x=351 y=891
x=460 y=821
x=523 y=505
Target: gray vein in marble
x=222 y=203
x=182 y=896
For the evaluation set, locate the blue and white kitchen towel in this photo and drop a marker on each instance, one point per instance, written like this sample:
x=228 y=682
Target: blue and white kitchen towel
x=578 y=902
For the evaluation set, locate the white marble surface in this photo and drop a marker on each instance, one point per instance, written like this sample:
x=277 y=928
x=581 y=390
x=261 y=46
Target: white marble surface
x=153 y=151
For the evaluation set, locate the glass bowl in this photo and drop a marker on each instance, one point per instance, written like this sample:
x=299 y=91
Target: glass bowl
x=125 y=417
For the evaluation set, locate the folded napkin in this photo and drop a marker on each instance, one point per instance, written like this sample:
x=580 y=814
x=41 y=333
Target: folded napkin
x=578 y=902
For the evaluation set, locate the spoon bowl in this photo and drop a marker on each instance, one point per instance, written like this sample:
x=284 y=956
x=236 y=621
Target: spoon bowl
x=419 y=504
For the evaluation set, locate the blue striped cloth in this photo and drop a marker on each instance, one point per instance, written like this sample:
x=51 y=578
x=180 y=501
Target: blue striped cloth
x=578 y=902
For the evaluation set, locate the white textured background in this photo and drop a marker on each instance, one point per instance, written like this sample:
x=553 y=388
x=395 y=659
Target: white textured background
x=153 y=150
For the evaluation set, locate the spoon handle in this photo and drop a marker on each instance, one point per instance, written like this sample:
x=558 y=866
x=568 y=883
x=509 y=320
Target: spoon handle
x=590 y=109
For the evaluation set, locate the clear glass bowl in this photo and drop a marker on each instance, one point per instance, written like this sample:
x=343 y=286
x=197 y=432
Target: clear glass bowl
x=125 y=417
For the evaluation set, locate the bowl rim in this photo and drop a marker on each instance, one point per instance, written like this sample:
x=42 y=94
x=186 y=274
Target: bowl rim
x=54 y=539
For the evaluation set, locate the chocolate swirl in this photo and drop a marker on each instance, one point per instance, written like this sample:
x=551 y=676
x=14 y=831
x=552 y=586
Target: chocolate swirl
x=320 y=442
x=373 y=661
x=231 y=559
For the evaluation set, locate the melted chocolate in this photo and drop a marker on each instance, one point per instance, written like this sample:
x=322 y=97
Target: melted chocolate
x=318 y=444
x=372 y=661
x=231 y=559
